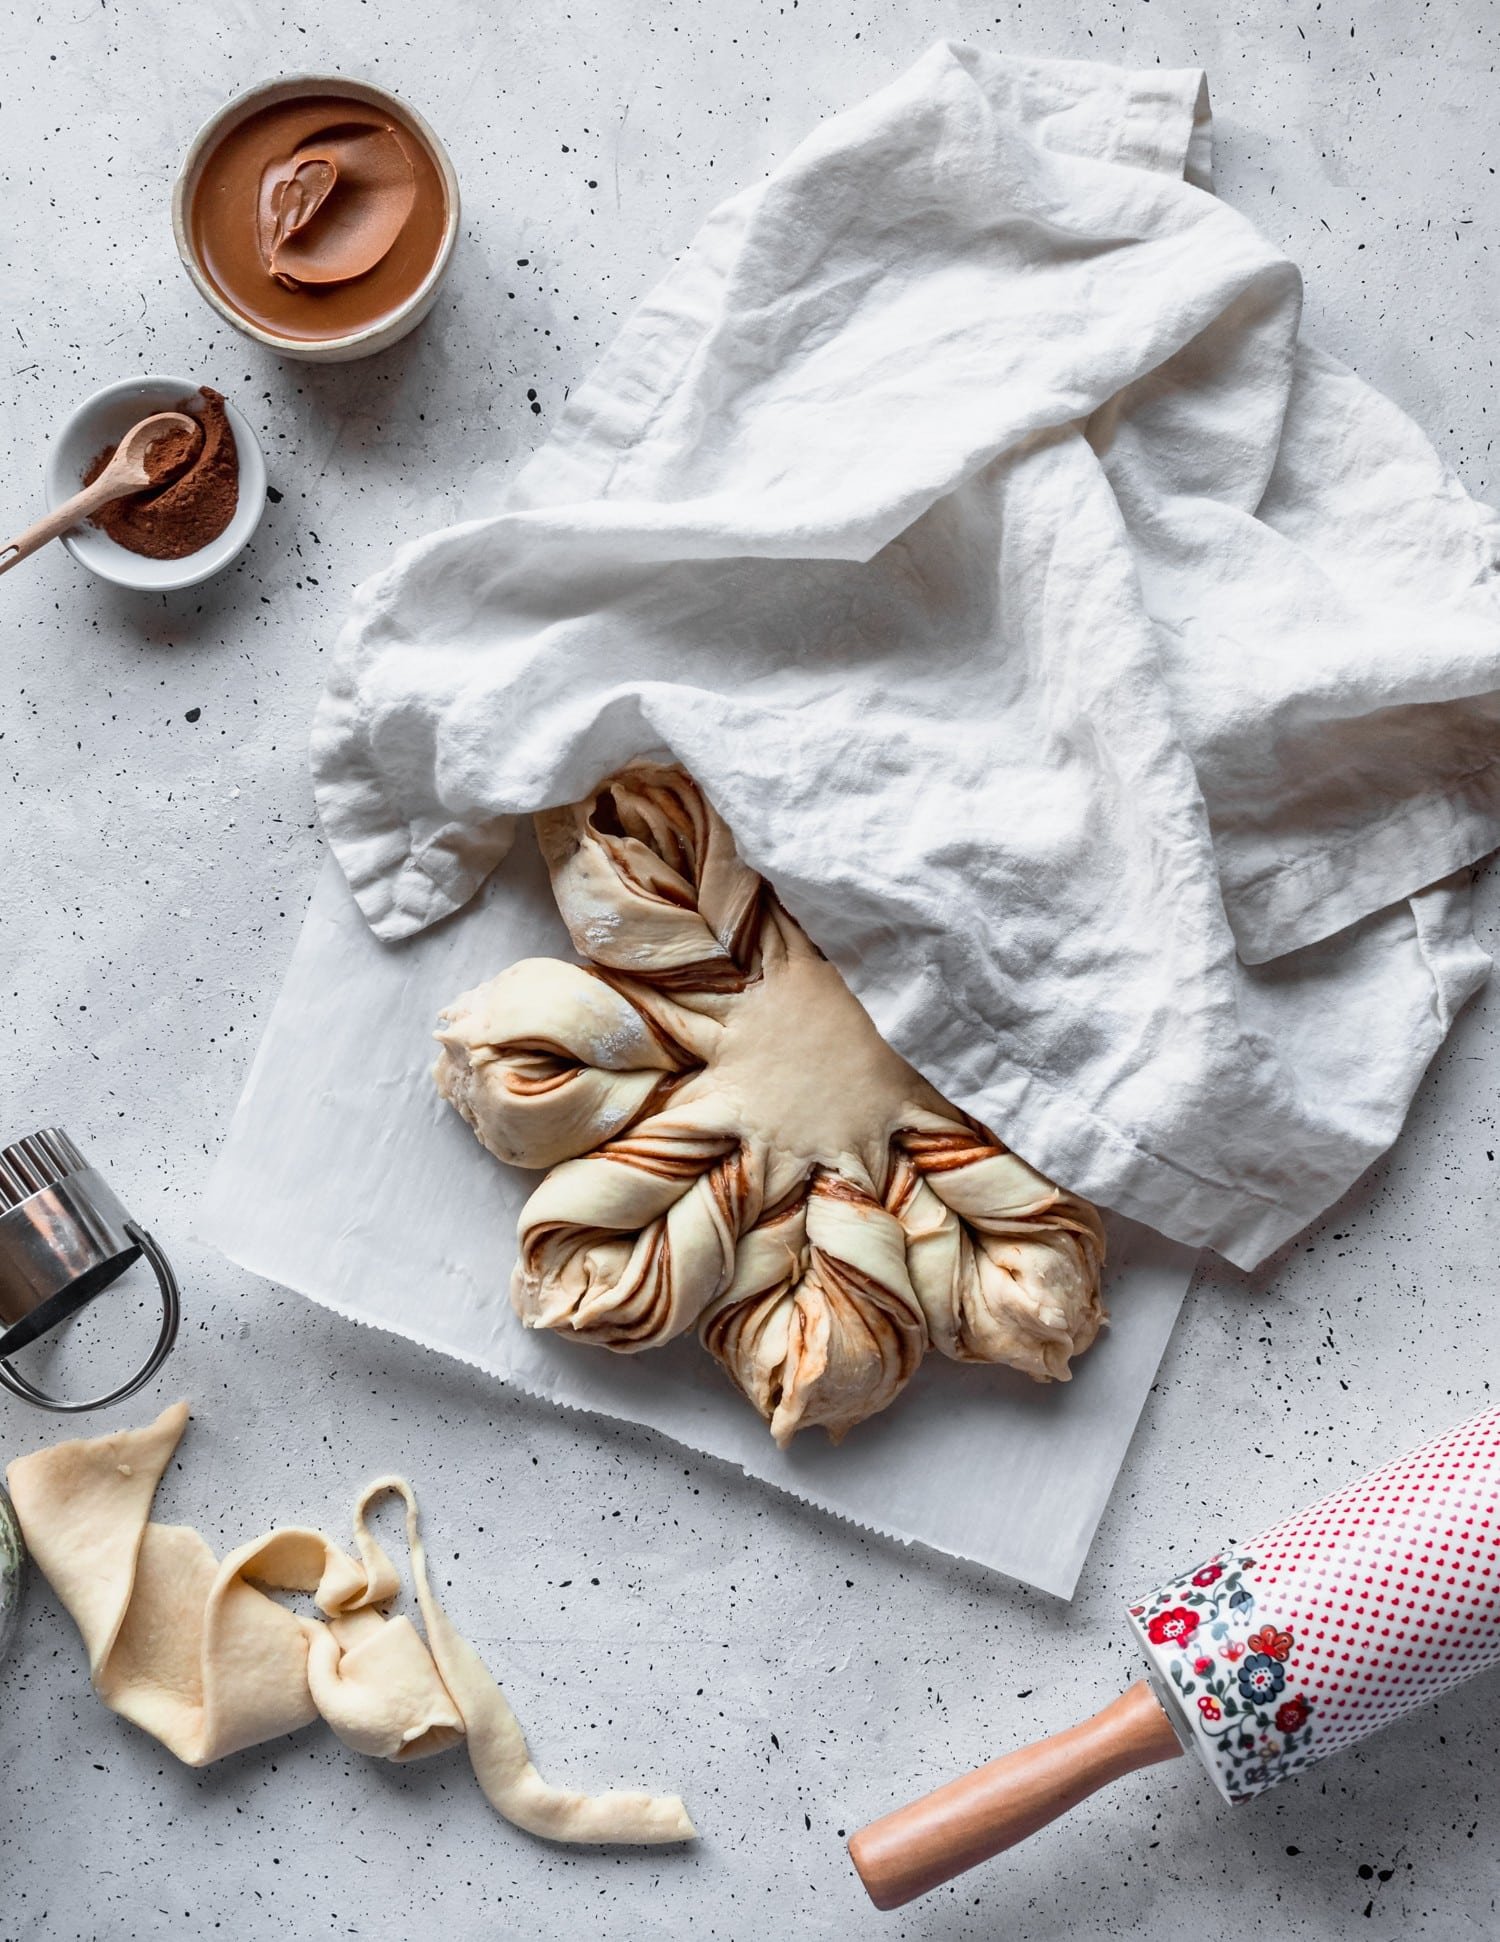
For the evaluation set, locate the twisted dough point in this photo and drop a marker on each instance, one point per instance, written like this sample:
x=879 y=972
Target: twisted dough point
x=190 y=1650
x=1006 y=1266
x=821 y=1324
x=547 y=1061
x=628 y=1246
x=649 y=882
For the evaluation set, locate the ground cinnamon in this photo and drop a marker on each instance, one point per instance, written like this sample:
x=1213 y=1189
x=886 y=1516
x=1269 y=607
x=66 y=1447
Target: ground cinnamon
x=193 y=506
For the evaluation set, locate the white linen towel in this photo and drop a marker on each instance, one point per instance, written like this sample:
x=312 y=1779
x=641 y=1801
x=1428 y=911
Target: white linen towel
x=1104 y=679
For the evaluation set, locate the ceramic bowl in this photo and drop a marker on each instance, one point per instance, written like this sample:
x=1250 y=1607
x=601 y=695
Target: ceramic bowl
x=328 y=350
x=103 y=420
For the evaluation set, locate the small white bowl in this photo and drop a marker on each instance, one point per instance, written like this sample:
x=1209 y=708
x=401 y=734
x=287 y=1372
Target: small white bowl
x=321 y=350
x=104 y=420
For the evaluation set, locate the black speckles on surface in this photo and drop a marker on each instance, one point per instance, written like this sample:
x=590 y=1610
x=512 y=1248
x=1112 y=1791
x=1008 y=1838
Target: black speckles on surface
x=794 y=1677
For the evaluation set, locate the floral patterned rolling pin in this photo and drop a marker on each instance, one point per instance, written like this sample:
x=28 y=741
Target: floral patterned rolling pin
x=1268 y=1657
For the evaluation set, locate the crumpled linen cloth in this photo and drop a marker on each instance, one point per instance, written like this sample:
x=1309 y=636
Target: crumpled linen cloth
x=1108 y=682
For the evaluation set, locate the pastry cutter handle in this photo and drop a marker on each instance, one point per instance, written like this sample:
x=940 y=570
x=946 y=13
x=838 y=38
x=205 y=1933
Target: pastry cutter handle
x=922 y=1845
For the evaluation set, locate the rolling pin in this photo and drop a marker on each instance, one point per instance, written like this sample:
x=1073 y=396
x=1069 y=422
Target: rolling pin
x=1268 y=1657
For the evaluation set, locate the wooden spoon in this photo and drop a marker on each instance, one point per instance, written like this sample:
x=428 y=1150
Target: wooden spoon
x=126 y=473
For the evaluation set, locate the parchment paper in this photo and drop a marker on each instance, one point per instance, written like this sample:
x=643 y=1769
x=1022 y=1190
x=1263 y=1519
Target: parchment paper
x=345 y=1178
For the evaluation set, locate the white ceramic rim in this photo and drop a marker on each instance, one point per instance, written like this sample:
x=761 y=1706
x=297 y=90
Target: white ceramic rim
x=263 y=95
x=194 y=567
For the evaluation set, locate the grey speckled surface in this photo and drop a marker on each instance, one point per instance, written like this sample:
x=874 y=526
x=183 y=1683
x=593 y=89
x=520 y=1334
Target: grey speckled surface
x=655 y=1618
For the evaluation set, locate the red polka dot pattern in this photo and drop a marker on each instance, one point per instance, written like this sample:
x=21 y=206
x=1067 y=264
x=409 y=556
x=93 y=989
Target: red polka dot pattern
x=1391 y=1587
x=1336 y=1621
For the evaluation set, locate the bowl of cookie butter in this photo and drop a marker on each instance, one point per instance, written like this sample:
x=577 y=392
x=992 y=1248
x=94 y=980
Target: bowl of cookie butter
x=317 y=215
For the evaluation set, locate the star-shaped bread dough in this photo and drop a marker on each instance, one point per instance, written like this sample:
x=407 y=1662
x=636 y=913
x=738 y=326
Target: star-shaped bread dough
x=733 y=1145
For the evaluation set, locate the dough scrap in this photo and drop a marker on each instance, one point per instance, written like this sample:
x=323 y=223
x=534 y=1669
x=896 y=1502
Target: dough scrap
x=193 y=1651
x=732 y=1144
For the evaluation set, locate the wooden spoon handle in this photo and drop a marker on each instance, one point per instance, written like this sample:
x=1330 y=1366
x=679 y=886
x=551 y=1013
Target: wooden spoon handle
x=920 y=1846
x=61 y=518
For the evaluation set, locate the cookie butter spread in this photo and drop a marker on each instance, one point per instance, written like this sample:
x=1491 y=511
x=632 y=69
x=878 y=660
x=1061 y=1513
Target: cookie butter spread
x=318 y=216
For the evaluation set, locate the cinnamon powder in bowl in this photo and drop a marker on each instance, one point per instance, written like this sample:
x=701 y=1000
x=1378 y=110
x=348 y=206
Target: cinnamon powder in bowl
x=190 y=526
x=199 y=487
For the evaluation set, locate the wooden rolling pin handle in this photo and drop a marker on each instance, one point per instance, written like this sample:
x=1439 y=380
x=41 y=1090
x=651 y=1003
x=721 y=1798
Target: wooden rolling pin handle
x=920 y=1846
